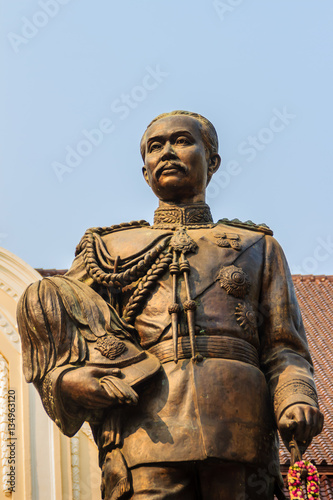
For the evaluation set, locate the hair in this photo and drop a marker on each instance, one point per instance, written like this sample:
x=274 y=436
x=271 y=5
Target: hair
x=208 y=132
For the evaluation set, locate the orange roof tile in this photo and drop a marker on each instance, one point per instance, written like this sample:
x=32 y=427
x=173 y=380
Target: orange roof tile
x=50 y=272
x=315 y=297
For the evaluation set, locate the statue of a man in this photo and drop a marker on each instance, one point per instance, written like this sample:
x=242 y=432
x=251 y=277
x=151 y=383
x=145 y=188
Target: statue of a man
x=181 y=343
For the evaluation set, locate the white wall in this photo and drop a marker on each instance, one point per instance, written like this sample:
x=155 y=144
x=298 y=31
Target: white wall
x=47 y=464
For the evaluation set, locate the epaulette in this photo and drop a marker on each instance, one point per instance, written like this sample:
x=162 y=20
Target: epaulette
x=103 y=231
x=262 y=228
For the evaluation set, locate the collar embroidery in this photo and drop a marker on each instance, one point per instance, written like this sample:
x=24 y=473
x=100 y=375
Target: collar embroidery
x=183 y=215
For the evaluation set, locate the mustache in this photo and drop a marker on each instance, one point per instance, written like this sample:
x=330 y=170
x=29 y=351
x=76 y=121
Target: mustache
x=167 y=164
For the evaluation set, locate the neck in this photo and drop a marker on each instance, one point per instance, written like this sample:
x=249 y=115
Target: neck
x=183 y=199
x=171 y=204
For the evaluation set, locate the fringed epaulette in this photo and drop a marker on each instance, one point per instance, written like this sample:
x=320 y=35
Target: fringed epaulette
x=103 y=231
x=262 y=228
x=115 y=273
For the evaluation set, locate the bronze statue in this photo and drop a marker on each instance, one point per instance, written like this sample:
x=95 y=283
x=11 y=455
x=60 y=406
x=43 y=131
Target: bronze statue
x=181 y=343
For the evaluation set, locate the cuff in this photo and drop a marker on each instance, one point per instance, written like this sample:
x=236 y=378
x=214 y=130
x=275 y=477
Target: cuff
x=69 y=420
x=294 y=392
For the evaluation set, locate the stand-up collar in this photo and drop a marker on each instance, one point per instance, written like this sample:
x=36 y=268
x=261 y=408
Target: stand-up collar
x=183 y=215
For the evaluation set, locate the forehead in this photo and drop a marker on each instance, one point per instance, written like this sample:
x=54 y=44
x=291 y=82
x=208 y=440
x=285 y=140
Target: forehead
x=173 y=124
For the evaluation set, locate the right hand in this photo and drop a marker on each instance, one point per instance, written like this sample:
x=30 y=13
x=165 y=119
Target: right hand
x=95 y=388
x=302 y=421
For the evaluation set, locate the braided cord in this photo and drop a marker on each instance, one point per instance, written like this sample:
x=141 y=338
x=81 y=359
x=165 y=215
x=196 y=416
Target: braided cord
x=153 y=264
x=95 y=253
x=118 y=280
x=145 y=286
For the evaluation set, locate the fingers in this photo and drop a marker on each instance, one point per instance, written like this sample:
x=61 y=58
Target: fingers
x=119 y=389
x=93 y=387
x=315 y=421
x=302 y=427
x=115 y=425
x=118 y=430
x=301 y=421
x=112 y=429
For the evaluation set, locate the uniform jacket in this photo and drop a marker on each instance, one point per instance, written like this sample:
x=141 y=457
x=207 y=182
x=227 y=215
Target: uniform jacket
x=215 y=407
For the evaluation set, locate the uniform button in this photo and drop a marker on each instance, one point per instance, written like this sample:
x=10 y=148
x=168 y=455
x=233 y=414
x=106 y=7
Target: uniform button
x=198 y=358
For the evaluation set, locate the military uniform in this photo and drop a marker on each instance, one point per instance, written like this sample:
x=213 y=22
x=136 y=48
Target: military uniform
x=249 y=361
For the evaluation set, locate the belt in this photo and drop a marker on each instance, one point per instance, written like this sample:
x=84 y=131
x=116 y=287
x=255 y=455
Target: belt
x=208 y=347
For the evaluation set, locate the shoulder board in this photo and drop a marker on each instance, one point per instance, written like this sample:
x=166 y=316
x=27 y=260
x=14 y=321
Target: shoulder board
x=262 y=228
x=103 y=231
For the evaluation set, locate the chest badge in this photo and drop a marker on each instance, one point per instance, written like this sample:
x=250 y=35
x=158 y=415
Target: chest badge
x=234 y=280
x=246 y=318
x=226 y=240
x=110 y=347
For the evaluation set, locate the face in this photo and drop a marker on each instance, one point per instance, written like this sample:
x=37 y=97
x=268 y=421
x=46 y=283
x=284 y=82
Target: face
x=177 y=165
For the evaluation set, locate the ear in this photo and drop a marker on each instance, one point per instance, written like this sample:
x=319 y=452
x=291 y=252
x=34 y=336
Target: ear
x=213 y=165
x=145 y=174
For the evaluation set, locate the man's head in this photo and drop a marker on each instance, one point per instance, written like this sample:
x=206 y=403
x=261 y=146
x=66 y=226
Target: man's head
x=180 y=154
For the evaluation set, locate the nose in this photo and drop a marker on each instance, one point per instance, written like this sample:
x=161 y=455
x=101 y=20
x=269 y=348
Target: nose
x=168 y=151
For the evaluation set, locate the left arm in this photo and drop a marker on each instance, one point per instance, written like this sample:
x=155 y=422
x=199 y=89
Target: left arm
x=285 y=356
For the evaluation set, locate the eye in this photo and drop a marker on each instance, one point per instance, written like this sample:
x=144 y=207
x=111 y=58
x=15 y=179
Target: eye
x=182 y=141
x=154 y=146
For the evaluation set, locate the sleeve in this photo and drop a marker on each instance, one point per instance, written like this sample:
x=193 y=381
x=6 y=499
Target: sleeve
x=78 y=271
x=68 y=419
x=285 y=357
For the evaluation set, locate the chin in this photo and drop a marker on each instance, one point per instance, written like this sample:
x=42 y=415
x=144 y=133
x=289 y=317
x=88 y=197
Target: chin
x=170 y=189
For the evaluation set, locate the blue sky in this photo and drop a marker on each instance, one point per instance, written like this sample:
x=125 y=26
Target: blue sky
x=81 y=80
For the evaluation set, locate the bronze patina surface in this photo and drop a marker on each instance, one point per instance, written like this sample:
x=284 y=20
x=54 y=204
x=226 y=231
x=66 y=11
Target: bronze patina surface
x=181 y=343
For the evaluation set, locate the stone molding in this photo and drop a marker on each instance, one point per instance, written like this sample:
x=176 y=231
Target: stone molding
x=75 y=463
x=4 y=424
x=15 y=276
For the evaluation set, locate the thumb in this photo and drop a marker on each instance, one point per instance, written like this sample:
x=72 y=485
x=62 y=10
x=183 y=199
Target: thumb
x=287 y=426
x=103 y=372
x=287 y=422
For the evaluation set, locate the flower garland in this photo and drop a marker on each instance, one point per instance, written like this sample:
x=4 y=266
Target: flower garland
x=295 y=481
